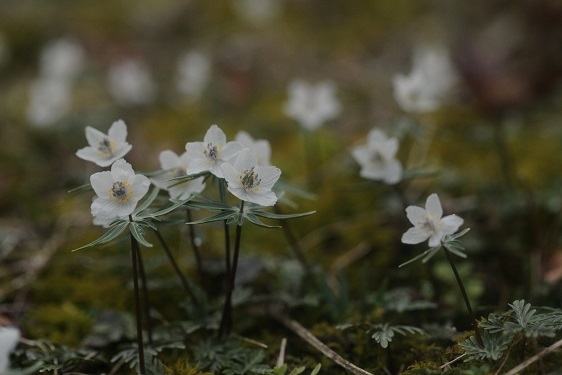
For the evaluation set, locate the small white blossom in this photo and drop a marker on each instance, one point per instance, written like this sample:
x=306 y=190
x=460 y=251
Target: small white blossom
x=118 y=191
x=429 y=224
x=312 y=105
x=377 y=158
x=9 y=337
x=425 y=88
x=260 y=147
x=176 y=166
x=62 y=59
x=250 y=182
x=210 y=154
x=194 y=69
x=105 y=149
x=49 y=101
x=130 y=83
x=257 y=12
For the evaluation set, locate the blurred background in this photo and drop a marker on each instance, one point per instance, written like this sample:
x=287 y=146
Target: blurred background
x=171 y=68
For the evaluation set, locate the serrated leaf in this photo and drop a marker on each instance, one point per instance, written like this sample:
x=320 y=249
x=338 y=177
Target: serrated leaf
x=112 y=233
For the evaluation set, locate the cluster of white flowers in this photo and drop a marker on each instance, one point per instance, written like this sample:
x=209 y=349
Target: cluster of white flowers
x=312 y=105
x=431 y=77
x=50 y=94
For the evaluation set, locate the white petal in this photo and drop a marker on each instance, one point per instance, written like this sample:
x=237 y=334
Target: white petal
x=199 y=165
x=433 y=206
x=392 y=172
x=415 y=214
x=376 y=136
x=266 y=198
x=231 y=150
x=123 y=149
x=435 y=239
x=122 y=171
x=168 y=160
x=118 y=131
x=9 y=337
x=362 y=155
x=140 y=187
x=245 y=160
x=268 y=176
x=230 y=175
x=451 y=223
x=94 y=136
x=215 y=136
x=413 y=236
x=101 y=183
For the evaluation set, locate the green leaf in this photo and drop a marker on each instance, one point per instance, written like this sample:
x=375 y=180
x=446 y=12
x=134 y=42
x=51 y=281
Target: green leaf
x=80 y=189
x=426 y=255
x=113 y=232
x=455 y=249
x=213 y=206
x=166 y=210
x=181 y=179
x=298 y=370
x=147 y=201
x=270 y=215
x=254 y=220
x=316 y=369
x=225 y=215
x=138 y=233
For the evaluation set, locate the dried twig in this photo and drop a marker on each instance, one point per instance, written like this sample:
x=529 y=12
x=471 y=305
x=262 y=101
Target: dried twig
x=534 y=358
x=281 y=358
x=446 y=365
x=304 y=334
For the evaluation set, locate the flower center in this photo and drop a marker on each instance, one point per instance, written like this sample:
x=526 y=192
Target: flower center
x=376 y=157
x=249 y=179
x=105 y=148
x=120 y=191
x=430 y=225
x=212 y=152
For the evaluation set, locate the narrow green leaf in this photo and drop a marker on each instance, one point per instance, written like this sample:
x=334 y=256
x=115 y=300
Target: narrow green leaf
x=80 y=189
x=138 y=233
x=147 y=201
x=455 y=250
x=271 y=215
x=165 y=210
x=225 y=215
x=316 y=369
x=113 y=232
x=431 y=253
x=254 y=220
x=213 y=206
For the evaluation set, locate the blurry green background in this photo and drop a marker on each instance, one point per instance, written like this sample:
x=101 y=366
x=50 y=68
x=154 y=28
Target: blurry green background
x=508 y=99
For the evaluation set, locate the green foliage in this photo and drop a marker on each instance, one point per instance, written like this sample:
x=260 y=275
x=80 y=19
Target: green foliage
x=383 y=333
x=229 y=357
x=282 y=370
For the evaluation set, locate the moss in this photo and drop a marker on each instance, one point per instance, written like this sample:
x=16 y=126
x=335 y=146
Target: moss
x=182 y=367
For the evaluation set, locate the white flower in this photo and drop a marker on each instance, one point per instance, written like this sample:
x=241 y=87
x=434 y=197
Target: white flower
x=62 y=59
x=377 y=158
x=250 y=182
x=193 y=74
x=118 y=191
x=312 y=105
x=105 y=149
x=429 y=224
x=211 y=153
x=260 y=147
x=175 y=166
x=9 y=337
x=257 y=12
x=49 y=101
x=424 y=89
x=130 y=83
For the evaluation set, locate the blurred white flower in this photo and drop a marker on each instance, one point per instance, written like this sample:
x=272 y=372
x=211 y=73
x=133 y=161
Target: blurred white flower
x=118 y=191
x=250 y=182
x=49 y=101
x=260 y=147
x=257 y=12
x=176 y=166
x=194 y=69
x=105 y=149
x=130 y=82
x=377 y=158
x=429 y=81
x=210 y=154
x=62 y=59
x=429 y=224
x=9 y=337
x=312 y=105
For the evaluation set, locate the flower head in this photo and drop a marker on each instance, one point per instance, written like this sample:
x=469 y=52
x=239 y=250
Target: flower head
x=260 y=147
x=424 y=88
x=118 y=191
x=105 y=149
x=312 y=105
x=250 y=182
x=175 y=166
x=210 y=154
x=377 y=158
x=428 y=223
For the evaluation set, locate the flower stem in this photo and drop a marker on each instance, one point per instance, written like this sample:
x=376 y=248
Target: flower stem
x=195 y=248
x=182 y=278
x=134 y=258
x=465 y=297
x=144 y=289
x=226 y=321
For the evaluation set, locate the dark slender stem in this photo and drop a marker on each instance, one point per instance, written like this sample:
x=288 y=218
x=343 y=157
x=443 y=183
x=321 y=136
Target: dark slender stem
x=293 y=242
x=195 y=248
x=182 y=278
x=144 y=289
x=226 y=321
x=134 y=258
x=466 y=301
x=222 y=192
